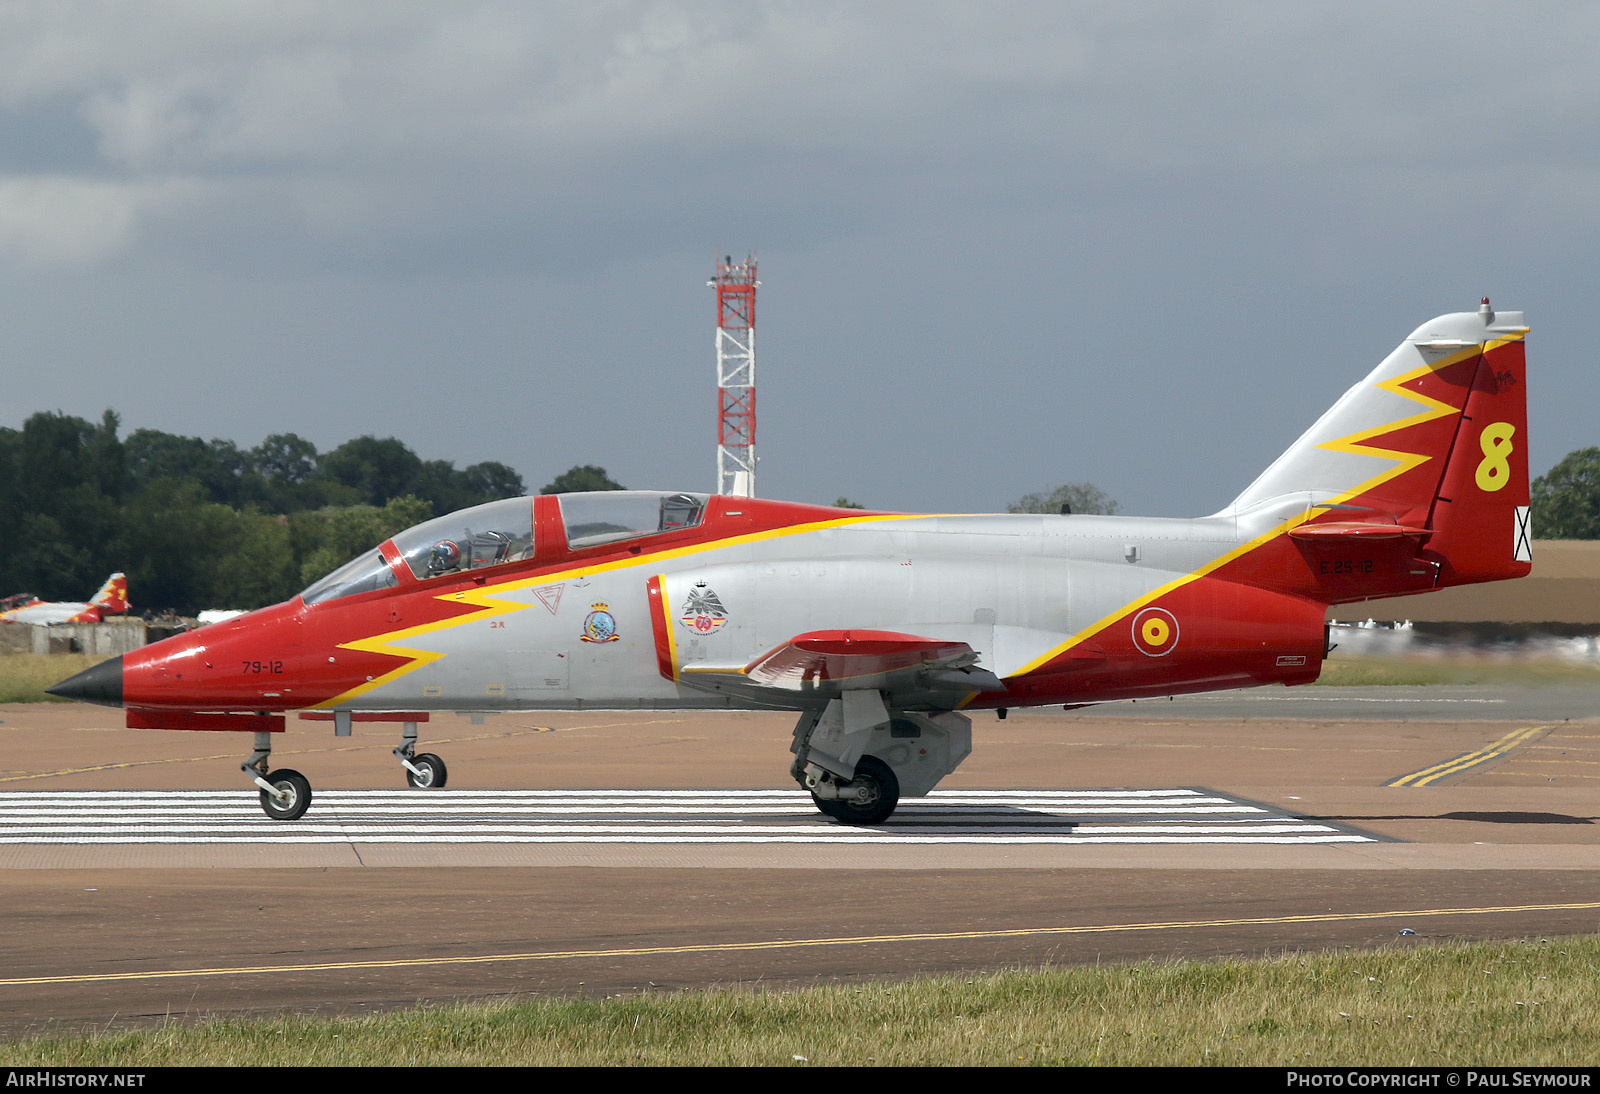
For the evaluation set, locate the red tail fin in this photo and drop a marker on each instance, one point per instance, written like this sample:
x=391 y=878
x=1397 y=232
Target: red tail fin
x=112 y=599
x=1416 y=479
x=1480 y=516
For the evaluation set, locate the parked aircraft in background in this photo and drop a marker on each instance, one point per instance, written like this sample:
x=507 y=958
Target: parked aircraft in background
x=112 y=599
x=883 y=632
x=17 y=600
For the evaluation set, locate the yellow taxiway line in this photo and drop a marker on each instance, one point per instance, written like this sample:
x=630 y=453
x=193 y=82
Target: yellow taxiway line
x=1470 y=759
x=792 y=943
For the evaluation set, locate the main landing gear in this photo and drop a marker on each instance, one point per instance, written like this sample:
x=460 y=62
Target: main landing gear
x=868 y=798
x=286 y=794
x=858 y=757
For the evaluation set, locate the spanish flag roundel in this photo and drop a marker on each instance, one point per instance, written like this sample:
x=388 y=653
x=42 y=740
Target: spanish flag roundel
x=1155 y=632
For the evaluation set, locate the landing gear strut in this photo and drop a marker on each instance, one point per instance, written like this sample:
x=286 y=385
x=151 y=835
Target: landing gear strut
x=285 y=793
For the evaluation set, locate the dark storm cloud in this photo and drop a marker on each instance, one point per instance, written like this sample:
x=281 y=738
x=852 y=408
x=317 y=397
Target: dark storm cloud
x=47 y=138
x=1002 y=248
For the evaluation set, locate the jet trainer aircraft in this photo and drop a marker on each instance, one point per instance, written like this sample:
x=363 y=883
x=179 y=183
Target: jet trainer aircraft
x=112 y=599
x=881 y=631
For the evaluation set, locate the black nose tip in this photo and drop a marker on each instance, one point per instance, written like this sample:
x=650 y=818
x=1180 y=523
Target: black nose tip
x=100 y=684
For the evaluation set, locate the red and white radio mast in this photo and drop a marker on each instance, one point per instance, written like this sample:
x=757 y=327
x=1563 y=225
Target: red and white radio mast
x=736 y=285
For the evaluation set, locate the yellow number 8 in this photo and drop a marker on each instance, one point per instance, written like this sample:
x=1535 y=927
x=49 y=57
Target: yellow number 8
x=1494 y=471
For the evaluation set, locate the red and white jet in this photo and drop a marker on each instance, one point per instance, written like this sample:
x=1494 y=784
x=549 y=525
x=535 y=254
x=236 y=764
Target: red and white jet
x=883 y=632
x=112 y=599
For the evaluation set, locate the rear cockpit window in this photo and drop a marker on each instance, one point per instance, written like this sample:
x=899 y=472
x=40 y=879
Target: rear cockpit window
x=612 y=515
x=473 y=539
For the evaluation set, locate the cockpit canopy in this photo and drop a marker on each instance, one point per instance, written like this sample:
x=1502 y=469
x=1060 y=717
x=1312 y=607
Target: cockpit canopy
x=501 y=532
x=611 y=515
x=470 y=539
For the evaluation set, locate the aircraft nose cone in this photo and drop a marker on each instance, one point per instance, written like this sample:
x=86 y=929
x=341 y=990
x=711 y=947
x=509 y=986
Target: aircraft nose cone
x=100 y=684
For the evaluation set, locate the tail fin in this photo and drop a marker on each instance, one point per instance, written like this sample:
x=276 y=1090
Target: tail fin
x=113 y=595
x=1481 y=530
x=1427 y=456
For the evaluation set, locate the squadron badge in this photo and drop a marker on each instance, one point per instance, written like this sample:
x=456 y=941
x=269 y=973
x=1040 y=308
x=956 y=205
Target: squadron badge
x=702 y=613
x=599 y=625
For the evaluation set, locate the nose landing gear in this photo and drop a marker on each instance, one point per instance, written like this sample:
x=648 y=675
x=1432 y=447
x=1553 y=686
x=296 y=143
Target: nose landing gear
x=285 y=793
x=289 y=797
x=425 y=771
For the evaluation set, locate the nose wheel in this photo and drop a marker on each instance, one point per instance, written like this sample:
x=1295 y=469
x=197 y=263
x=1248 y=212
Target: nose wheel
x=285 y=793
x=425 y=772
x=289 y=797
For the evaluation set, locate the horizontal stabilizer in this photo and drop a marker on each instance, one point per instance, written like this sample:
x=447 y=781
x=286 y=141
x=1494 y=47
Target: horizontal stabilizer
x=1356 y=531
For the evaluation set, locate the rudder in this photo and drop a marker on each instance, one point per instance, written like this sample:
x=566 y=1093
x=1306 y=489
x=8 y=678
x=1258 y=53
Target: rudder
x=1481 y=530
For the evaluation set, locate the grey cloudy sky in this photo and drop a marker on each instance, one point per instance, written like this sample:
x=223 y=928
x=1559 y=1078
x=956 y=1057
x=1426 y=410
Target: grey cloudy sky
x=1003 y=246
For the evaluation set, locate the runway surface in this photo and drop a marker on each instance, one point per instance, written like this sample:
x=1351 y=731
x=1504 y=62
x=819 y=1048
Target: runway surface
x=606 y=853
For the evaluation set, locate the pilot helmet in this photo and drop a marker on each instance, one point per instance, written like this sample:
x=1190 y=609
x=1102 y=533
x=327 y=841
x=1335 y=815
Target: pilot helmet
x=446 y=556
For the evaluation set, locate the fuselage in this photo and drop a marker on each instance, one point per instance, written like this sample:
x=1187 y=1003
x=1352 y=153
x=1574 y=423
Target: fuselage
x=1063 y=609
x=48 y=611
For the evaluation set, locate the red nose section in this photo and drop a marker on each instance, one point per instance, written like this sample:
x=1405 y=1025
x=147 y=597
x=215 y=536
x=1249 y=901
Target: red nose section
x=286 y=657
x=248 y=663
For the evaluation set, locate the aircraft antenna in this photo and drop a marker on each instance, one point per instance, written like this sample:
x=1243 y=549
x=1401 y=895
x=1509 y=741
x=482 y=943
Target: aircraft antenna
x=736 y=286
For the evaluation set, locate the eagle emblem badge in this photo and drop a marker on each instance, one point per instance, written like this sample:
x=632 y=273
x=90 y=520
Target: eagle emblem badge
x=702 y=613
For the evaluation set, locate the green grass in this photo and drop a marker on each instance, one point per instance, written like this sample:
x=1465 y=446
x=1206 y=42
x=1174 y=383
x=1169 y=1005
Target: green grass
x=24 y=676
x=1480 y=1004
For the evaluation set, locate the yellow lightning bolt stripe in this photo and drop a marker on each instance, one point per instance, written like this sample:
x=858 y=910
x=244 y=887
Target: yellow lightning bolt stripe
x=487 y=598
x=1155 y=594
x=1355 y=444
x=1350 y=443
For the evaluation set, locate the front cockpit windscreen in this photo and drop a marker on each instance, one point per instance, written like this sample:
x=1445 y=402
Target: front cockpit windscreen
x=472 y=539
x=361 y=574
x=610 y=515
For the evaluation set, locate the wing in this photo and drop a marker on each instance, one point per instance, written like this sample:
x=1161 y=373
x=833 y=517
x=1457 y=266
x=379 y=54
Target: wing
x=819 y=665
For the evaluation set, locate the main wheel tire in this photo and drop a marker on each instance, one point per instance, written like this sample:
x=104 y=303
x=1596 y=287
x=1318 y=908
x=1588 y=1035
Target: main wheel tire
x=883 y=794
x=297 y=795
x=433 y=773
x=829 y=807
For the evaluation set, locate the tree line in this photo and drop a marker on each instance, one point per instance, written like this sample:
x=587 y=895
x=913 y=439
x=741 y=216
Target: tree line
x=196 y=523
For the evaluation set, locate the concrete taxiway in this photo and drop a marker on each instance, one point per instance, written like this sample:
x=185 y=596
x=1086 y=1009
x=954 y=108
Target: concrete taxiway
x=1345 y=819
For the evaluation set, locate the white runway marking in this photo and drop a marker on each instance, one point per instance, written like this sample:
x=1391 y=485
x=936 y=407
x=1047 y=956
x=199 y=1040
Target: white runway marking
x=651 y=816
